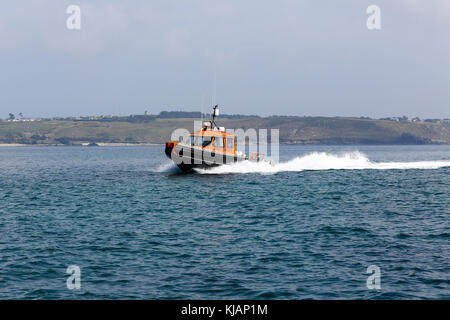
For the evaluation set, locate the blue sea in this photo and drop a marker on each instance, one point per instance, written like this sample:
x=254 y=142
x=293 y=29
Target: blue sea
x=306 y=228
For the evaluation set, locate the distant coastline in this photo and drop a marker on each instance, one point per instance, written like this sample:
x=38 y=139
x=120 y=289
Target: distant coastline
x=84 y=144
x=136 y=130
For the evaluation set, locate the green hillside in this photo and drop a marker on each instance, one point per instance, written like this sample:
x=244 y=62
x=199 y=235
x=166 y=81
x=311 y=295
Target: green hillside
x=293 y=130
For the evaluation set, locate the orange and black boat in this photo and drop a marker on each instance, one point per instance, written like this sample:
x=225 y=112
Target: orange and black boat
x=209 y=147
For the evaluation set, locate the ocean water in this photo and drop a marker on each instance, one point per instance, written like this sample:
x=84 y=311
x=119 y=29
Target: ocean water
x=306 y=228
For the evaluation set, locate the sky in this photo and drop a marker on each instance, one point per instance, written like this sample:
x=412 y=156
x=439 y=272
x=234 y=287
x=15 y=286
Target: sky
x=285 y=57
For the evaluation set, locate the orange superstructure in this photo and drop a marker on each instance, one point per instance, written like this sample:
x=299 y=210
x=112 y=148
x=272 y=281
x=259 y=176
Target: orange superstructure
x=220 y=141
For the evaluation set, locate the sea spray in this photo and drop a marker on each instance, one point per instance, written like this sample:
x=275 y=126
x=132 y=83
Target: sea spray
x=167 y=167
x=322 y=161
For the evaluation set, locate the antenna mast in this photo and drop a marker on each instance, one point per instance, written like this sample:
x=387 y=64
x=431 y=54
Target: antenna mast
x=215 y=106
x=214 y=115
x=201 y=109
x=214 y=89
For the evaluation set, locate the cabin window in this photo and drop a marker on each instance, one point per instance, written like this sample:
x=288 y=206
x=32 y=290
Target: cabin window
x=201 y=141
x=229 y=143
x=197 y=141
x=206 y=141
x=218 y=142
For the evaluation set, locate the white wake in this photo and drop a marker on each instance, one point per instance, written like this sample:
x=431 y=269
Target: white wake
x=323 y=161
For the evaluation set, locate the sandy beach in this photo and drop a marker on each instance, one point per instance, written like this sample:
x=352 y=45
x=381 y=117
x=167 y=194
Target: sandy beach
x=12 y=145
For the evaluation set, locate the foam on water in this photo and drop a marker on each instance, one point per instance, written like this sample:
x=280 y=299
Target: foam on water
x=167 y=167
x=323 y=161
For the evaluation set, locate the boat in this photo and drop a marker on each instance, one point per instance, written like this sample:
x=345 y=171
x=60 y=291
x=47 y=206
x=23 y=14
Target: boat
x=208 y=147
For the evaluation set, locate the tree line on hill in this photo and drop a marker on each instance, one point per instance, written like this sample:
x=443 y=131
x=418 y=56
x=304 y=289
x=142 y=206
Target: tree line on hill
x=133 y=118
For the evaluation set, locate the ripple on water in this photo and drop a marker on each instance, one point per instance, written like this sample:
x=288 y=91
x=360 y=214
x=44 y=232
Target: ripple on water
x=140 y=229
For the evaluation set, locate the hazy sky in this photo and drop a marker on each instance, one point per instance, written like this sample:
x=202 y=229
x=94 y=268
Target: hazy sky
x=310 y=57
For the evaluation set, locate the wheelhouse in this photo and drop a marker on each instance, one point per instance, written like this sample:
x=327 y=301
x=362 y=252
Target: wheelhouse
x=214 y=140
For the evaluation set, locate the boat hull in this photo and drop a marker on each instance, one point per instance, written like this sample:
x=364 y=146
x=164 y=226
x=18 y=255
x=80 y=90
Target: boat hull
x=188 y=158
